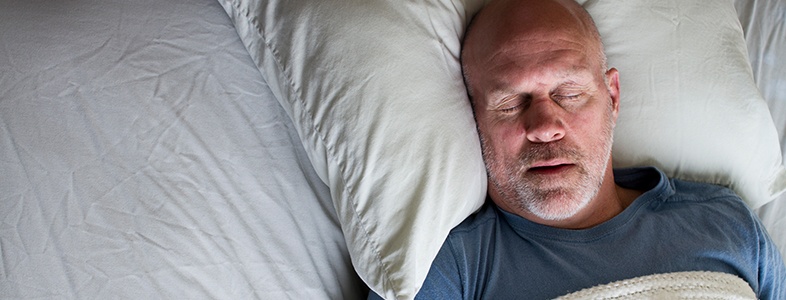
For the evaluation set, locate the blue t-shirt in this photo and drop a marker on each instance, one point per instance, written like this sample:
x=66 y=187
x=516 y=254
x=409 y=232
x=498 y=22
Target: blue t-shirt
x=674 y=226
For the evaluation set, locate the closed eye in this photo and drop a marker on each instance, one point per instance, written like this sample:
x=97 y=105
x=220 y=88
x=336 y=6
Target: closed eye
x=568 y=96
x=570 y=91
x=510 y=109
x=512 y=103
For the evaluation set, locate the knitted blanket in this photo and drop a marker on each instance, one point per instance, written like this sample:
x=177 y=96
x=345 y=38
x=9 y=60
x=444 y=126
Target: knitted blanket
x=680 y=285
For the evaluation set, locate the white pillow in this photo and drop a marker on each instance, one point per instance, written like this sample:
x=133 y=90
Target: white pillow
x=375 y=91
x=689 y=102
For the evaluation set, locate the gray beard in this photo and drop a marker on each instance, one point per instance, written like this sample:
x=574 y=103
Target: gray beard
x=551 y=203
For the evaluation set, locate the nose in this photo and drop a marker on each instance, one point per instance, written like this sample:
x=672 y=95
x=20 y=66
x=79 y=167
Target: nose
x=543 y=122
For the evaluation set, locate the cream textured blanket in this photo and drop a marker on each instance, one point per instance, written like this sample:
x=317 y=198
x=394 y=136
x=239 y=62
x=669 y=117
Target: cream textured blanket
x=680 y=285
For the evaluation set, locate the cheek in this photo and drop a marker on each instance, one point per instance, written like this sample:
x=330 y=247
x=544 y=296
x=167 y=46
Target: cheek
x=594 y=129
x=502 y=138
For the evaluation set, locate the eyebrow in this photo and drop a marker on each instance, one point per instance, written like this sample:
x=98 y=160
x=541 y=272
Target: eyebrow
x=497 y=96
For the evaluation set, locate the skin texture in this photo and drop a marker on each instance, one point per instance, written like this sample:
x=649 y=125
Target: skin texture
x=546 y=107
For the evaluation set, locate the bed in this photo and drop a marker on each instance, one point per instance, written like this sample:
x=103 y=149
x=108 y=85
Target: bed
x=175 y=149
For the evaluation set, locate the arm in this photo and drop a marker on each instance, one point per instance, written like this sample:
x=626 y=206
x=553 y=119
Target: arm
x=444 y=278
x=772 y=271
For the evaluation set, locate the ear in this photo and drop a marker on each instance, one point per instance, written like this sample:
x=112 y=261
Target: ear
x=613 y=86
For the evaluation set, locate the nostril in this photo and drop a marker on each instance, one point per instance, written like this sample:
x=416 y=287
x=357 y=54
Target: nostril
x=543 y=122
x=543 y=135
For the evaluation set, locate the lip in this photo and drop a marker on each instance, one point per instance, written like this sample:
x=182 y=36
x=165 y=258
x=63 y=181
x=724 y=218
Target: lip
x=550 y=163
x=550 y=167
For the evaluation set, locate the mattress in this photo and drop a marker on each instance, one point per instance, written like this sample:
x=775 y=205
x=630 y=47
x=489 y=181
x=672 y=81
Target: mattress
x=142 y=155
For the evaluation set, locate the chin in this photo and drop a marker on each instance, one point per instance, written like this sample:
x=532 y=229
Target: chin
x=555 y=205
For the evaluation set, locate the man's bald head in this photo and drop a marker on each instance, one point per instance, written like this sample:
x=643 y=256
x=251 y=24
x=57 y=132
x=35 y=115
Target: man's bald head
x=505 y=25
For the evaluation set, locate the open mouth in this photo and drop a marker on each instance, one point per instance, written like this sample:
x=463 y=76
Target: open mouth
x=549 y=169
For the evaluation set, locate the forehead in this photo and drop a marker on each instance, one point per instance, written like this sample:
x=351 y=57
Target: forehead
x=518 y=39
x=524 y=66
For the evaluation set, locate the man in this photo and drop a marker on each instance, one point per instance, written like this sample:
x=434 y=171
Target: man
x=560 y=219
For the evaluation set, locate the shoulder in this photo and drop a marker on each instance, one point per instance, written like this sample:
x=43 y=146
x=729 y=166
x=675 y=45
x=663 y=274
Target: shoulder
x=476 y=229
x=679 y=196
x=691 y=191
x=479 y=224
x=485 y=216
x=690 y=205
x=708 y=197
x=711 y=209
x=473 y=241
x=457 y=267
x=739 y=224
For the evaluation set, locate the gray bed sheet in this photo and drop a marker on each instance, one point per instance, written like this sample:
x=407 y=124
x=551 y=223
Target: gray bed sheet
x=764 y=24
x=142 y=156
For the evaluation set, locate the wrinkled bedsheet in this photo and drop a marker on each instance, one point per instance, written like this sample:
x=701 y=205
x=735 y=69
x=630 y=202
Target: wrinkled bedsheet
x=143 y=157
x=764 y=24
